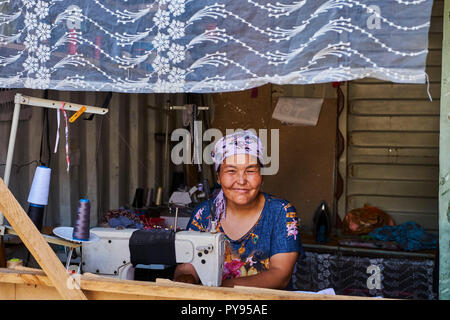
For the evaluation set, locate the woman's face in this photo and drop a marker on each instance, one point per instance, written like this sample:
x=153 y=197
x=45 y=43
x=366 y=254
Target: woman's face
x=240 y=178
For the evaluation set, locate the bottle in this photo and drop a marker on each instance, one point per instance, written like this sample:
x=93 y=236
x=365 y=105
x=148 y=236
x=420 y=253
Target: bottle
x=322 y=223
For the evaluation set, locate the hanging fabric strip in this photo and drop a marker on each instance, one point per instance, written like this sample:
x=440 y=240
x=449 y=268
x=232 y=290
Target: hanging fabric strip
x=141 y=46
x=67 y=135
x=428 y=87
x=58 y=120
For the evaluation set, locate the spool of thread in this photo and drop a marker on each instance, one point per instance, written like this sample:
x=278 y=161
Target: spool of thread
x=36 y=214
x=159 y=196
x=12 y=263
x=139 y=198
x=40 y=186
x=149 y=199
x=82 y=222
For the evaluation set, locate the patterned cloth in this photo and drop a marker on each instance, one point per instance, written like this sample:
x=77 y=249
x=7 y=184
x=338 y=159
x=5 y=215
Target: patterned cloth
x=239 y=142
x=347 y=274
x=409 y=235
x=276 y=231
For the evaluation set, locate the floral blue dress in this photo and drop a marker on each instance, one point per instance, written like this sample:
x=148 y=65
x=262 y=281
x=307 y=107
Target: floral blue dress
x=276 y=231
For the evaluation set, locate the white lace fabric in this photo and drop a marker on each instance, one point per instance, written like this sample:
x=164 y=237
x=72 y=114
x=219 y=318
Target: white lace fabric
x=142 y=46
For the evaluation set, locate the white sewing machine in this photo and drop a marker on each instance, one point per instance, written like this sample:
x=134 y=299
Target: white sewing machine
x=110 y=256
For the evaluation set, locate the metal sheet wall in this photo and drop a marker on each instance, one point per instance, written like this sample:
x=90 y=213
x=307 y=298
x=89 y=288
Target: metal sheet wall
x=391 y=132
x=393 y=141
x=110 y=156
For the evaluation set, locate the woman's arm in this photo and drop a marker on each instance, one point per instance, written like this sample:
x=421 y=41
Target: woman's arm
x=186 y=273
x=281 y=266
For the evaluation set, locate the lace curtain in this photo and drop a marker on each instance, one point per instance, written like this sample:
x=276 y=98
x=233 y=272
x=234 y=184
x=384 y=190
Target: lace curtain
x=209 y=46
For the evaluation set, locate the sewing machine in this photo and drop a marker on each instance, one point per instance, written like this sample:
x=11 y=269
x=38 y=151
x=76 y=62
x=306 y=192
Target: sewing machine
x=119 y=252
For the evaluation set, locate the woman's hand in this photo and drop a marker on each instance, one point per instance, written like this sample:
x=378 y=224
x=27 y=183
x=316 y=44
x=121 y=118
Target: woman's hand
x=276 y=277
x=186 y=273
x=228 y=283
x=186 y=278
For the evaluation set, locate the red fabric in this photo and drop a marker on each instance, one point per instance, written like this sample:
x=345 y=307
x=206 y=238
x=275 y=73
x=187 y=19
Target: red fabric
x=363 y=220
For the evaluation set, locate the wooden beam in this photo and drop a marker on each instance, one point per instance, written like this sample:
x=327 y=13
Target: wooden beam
x=37 y=245
x=444 y=164
x=97 y=287
x=49 y=239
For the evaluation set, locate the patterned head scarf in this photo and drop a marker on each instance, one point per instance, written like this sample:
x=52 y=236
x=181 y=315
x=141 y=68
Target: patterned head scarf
x=240 y=142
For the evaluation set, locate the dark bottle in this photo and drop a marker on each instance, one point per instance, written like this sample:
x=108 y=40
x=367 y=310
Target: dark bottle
x=322 y=223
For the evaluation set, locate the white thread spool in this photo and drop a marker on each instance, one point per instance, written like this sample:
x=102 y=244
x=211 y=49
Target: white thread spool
x=40 y=186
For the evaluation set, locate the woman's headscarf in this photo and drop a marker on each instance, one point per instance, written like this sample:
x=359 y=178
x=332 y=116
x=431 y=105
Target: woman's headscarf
x=240 y=142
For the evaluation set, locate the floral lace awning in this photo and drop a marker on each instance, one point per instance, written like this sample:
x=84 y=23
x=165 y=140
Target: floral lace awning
x=209 y=46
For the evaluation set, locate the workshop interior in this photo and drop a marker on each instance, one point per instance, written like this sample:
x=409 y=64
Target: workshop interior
x=86 y=155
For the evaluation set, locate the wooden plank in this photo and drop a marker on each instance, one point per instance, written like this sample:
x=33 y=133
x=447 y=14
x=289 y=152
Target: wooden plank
x=49 y=239
x=438 y=8
x=444 y=165
x=8 y=291
x=434 y=73
x=396 y=204
x=101 y=287
x=395 y=107
x=393 y=152
x=436 y=24
x=435 y=40
x=99 y=295
x=434 y=58
x=394 y=160
x=393 y=172
x=393 y=188
x=36 y=292
x=36 y=244
x=393 y=123
x=394 y=139
x=393 y=91
x=426 y=220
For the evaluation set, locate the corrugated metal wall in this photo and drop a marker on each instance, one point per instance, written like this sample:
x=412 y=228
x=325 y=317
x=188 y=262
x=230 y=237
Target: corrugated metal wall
x=391 y=132
x=393 y=141
x=110 y=156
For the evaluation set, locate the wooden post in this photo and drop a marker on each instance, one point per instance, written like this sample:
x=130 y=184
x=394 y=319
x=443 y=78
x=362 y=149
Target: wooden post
x=37 y=245
x=444 y=164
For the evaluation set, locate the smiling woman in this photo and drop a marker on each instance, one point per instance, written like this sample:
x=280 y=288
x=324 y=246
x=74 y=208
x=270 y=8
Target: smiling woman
x=261 y=231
